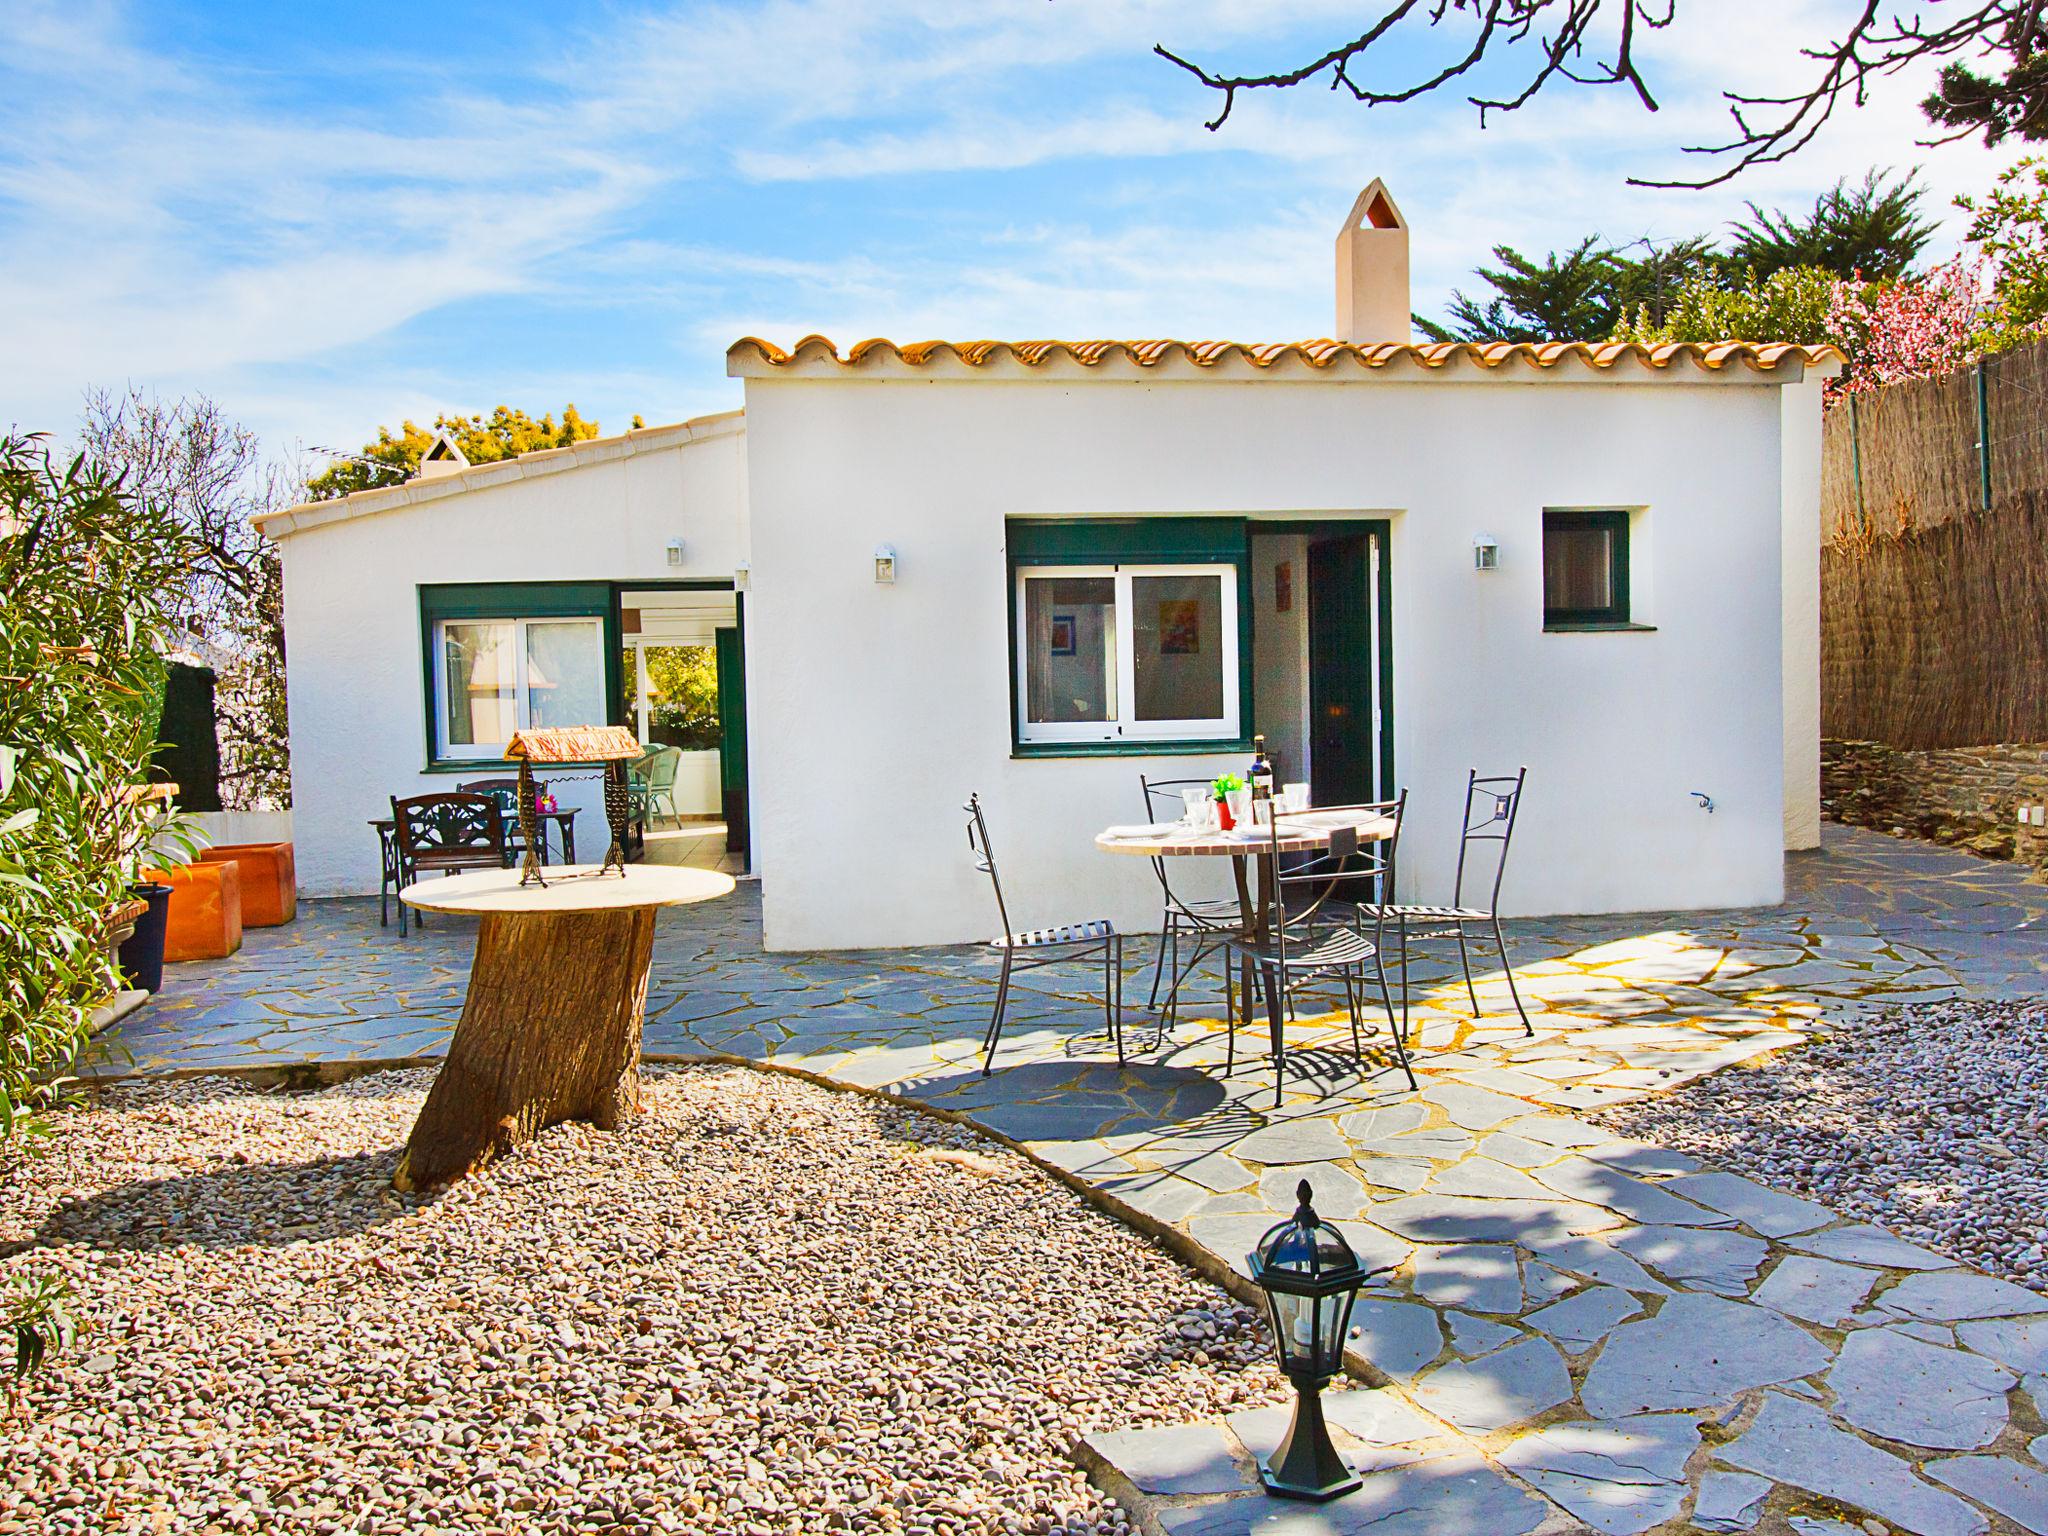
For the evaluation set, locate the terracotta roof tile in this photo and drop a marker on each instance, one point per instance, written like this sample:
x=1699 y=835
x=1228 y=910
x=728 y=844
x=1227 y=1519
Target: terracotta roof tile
x=1324 y=355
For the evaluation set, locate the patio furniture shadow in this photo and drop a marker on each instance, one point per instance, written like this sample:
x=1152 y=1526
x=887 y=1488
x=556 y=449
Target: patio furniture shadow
x=235 y=1205
x=1070 y=1100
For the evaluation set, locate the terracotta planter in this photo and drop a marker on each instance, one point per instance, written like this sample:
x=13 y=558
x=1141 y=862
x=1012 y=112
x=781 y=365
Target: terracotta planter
x=206 y=910
x=270 y=880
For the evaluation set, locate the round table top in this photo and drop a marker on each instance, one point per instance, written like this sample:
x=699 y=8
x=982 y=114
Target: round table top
x=570 y=888
x=1298 y=834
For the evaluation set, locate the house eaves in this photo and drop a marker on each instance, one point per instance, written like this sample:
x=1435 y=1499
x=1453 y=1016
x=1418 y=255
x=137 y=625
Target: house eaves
x=286 y=521
x=1301 y=361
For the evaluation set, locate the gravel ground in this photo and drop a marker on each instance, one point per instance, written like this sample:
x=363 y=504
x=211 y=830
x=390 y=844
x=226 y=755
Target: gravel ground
x=1930 y=1120
x=762 y=1307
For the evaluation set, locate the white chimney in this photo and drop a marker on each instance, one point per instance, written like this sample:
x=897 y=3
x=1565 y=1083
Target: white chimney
x=443 y=457
x=1372 y=270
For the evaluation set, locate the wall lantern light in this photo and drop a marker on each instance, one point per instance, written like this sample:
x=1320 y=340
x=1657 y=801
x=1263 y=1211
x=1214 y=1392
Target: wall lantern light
x=742 y=576
x=885 y=564
x=1311 y=1277
x=1485 y=552
x=675 y=551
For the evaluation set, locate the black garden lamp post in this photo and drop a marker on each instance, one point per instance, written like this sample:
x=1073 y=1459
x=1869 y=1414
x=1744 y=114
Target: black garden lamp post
x=1310 y=1277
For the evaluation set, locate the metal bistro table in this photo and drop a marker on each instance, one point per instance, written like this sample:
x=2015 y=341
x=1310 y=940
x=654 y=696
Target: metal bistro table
x=1243 y=844
x=550 y=1030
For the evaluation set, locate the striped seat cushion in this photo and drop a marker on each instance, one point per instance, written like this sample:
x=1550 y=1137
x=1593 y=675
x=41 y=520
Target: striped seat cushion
x=1066 y=933
x=1335 y=949
x=1427 y=914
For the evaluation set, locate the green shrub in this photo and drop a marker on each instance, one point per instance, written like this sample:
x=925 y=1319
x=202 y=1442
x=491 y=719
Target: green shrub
x=1789 y=305
x=83 y=573
x=37 y=1312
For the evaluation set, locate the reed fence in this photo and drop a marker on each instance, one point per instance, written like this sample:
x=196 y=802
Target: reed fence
x=1934 y=559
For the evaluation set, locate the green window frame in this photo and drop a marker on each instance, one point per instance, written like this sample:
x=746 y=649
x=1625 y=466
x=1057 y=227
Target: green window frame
x=1560 y=524
x=1119 y=555
x=517 y=604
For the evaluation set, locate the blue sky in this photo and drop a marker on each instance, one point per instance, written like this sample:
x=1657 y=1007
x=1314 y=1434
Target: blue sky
x=332 y=217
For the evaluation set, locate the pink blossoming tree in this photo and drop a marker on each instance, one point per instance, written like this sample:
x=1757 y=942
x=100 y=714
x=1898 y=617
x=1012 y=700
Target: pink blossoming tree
x=1910 y=328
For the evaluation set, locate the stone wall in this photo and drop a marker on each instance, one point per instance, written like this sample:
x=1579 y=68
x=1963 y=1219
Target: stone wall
x=1965 y=796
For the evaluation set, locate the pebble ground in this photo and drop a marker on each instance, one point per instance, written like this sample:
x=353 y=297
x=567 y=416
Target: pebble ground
x=763 y=1307
x=1929 y=1120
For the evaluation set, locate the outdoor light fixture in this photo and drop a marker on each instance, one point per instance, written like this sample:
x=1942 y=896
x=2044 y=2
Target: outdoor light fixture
x=675 y=551
x=1485 y=552
x=1311 y=1277
x=742 y=576
x=885 y=564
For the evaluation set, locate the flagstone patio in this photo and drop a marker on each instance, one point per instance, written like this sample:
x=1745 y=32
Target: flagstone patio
x=1570 y=1327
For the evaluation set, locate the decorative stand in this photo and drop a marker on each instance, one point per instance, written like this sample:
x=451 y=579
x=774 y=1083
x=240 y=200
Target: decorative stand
x=530 y=867
x=612 y=745
x=616 y=806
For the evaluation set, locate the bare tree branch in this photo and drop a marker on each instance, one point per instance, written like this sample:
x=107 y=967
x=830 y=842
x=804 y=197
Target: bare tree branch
x=1594 y=42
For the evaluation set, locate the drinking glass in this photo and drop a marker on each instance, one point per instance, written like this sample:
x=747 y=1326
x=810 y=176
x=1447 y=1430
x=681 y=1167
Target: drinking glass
x=1195 y=803
x=1294 y=797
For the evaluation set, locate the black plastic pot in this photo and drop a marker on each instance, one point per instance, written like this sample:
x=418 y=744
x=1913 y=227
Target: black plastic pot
x=142 y=953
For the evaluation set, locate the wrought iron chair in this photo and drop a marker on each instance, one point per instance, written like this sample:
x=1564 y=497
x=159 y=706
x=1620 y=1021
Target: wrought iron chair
x=1206 y=921
x=451 y=833
x=1491 y=806
x=1029 y=949
x=506 y=793
x=1315 y=932
x=390 y=876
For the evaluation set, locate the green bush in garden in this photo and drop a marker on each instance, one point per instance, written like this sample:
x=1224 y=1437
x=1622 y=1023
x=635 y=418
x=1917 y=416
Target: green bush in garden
x=83 y=569
x=1793 y=304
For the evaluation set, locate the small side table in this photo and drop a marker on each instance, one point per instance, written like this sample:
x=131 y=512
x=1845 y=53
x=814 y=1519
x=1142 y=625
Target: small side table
x=550 y=1030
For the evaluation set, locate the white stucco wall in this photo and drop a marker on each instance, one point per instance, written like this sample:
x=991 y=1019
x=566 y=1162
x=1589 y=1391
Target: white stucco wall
x=352 y=621
x=1801 y=408
x=875 y=709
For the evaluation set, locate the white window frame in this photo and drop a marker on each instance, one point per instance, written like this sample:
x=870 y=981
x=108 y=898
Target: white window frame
x=1125 y=726
x=491 y=752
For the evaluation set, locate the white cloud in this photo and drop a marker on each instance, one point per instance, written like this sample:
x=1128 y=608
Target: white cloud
x=629 y=201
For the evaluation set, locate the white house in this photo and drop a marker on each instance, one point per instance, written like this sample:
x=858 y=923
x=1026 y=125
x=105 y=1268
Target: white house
x=1039 y=569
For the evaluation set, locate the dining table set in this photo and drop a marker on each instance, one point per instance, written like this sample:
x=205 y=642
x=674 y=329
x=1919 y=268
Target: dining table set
x=1258 y=851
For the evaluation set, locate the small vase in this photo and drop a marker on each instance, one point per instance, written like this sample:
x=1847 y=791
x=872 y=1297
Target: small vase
x=1224 y=820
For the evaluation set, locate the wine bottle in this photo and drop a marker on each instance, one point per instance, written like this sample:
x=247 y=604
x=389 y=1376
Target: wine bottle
x=1261 y=775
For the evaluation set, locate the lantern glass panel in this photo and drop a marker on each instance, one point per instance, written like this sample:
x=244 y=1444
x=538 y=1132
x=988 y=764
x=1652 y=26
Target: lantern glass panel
x=1332 y=1322
x=1294 y=1329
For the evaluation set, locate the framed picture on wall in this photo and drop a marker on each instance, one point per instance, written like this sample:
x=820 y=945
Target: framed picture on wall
x=1063 y=634
x=1180 y=626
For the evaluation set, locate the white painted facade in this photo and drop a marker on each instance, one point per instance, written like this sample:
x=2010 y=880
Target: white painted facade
x=908 y=682
x=874 y=708
x=602 y=511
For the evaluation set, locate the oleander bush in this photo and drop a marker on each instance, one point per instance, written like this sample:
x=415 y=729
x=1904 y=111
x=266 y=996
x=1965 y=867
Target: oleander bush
x=84 y=570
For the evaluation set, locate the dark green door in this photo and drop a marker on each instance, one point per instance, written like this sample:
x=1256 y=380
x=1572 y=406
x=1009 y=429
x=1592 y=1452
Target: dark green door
x=732 y=737
x=1342 y=750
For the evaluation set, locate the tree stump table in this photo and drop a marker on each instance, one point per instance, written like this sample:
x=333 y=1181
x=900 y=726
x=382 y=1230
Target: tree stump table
x=557 y=992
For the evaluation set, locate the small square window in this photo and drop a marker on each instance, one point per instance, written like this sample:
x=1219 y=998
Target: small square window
x=1585 y=568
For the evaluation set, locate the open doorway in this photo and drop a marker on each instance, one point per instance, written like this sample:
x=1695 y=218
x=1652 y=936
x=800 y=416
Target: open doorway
x=681 y=691
x=1321 y=615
